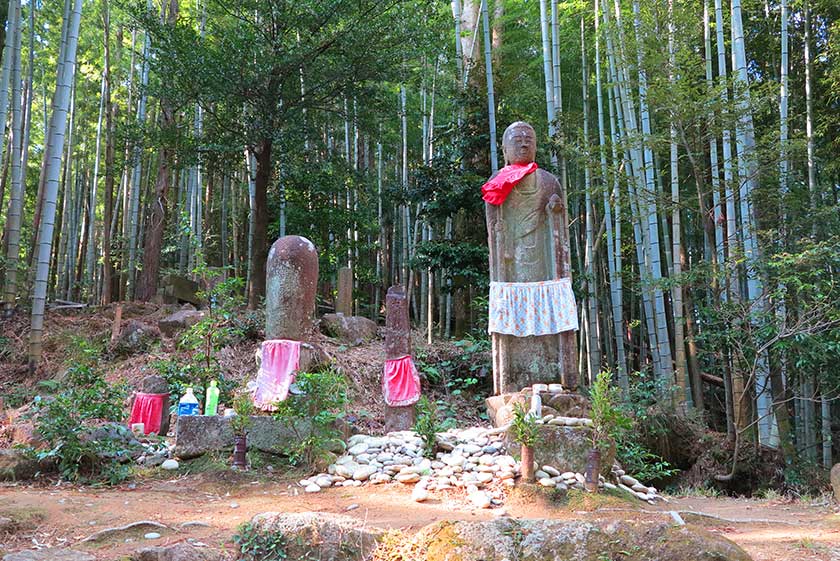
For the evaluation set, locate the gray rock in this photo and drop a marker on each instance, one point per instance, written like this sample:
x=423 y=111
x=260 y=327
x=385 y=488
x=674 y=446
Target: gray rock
x=177 y=290
x=179 y=321
x=15 y=466
x=197 y=434
x=835 y=481
x=537 y=540
x=353 y=330
x=51 y=554
x=564 y=448
x=135 y=337
x=177 y=552
x=131 y=528
x=321 y=535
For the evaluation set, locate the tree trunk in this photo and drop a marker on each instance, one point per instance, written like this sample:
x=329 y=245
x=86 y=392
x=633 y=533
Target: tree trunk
x=58 y=126
x=260 y=211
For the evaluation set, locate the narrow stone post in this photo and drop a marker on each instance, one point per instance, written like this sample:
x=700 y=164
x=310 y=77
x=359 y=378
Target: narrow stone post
x=291 y=281
x=344 y=298
x=290 y=287
x=397 y=344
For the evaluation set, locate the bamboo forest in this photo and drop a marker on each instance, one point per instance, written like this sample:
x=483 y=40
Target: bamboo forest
x=479 y=263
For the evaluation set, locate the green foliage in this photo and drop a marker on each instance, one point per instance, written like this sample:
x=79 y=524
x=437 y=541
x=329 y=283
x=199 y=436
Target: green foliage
x=312 y=415
x=607 y=418
x=241 y=423
x=257 y=544
x=637 y=460
x=427 y=425
x=524 y=428
x=224 y=323
x=68 y=423
x=465 y=372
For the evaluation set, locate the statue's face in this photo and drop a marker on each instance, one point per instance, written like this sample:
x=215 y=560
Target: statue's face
x=520 y=146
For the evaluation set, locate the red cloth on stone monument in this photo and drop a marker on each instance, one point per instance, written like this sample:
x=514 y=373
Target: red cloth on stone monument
x=400 y=382
x=148 y=409
x=497 y=188
x=280 y=359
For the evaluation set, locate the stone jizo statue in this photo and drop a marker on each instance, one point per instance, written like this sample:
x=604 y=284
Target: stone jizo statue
x=532 y=309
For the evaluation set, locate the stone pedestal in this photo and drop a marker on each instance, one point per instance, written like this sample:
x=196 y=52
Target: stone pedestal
x=344 y=298
x=397 y=344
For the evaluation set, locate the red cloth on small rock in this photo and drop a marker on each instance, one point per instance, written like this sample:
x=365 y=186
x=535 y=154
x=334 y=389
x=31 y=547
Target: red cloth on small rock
x=498 y=187
x=148 y=409
x=400 y=382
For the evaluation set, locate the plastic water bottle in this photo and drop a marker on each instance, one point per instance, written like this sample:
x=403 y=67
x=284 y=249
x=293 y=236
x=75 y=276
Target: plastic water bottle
x=211 y=399
x=188 y=404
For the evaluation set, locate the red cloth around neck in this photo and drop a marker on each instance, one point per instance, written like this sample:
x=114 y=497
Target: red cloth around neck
x=497 y=188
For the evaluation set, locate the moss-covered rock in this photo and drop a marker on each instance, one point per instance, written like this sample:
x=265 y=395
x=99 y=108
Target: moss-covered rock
x=559 y=540
x=320 y=535
x=332 y=537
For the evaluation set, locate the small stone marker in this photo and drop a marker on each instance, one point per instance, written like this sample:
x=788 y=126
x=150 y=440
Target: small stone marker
x=397 y=344
x=344 y=298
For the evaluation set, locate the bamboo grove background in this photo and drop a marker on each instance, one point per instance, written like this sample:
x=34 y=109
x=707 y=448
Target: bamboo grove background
x=696 y=141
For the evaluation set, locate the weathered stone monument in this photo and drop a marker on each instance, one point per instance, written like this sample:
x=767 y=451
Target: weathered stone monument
x=291 y=282
x=344 y=297
x=532 y=310
x=402 y=389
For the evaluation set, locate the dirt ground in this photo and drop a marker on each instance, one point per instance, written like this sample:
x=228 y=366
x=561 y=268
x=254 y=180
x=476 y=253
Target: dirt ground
x=206 y=508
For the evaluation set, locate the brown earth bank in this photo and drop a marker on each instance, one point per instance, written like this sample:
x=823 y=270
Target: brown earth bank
x=206 y=508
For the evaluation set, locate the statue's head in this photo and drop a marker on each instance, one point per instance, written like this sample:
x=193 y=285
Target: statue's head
x=519 y=143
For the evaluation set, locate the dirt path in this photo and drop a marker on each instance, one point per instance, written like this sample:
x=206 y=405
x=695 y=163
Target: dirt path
x=213 y=505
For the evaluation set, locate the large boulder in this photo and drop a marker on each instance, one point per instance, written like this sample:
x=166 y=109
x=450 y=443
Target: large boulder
x=135 y=337
x=198 y=434
x=181 y=320
x=178 y=552
x=353 y=330
x=332 y=537
x=835 y=481
x=179 y=290
x=564 y=448
x=564 y=540
x=320 y=535
x=16 y=465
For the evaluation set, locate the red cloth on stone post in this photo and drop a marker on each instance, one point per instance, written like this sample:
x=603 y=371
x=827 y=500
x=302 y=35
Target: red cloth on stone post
x=280 y=360
x=400 y=382
x=498 y=187
x=148 y=409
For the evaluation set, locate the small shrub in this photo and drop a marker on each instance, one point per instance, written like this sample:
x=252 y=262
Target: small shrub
x=607 y=419
x=427 y=425
x=524 y=428
x=256 y=544
x=244 y=408
x=71 y=423
x=312 y=415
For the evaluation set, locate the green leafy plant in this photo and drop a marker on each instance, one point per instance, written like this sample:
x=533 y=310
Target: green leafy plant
x=607 y=418
x=427 y=424
x=219 y=327
x=75 y=425
x=241 y=423
x=311 y=416
x=257 y=544
x=524 y=428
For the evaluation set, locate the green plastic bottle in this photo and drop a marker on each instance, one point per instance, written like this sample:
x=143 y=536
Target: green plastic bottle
x=211 y=400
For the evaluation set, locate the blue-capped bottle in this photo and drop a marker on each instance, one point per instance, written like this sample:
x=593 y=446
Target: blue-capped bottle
x=188 y=404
